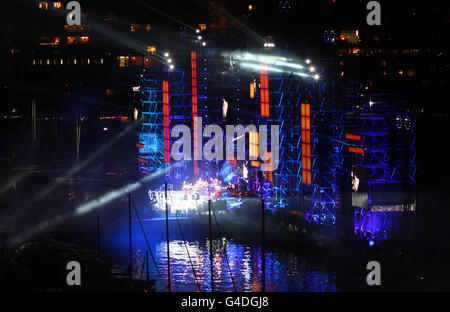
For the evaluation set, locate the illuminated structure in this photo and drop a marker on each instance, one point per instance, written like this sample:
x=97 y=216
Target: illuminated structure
x=322 y=124
x=388 y=136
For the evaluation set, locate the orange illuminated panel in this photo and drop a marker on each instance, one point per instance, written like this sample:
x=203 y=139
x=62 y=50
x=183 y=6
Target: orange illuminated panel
x=252 y=90
x=255 y=163
x=354 y=137
x=202 y=26
x=166 y=121
x=194 y=108
x=268 y=163
x=254 y=144
x=356 y=150
x=264 y=90
x=306 y=143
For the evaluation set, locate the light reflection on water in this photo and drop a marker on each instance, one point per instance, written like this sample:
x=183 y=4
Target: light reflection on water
x=285 y=271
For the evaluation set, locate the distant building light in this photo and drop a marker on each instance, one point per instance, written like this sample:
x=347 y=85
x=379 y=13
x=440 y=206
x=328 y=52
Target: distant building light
x=148 y=27
x=250 y=7
x=57 y=5
x=134 y=27
x=71 y=40
x=202 y=26
x=43 y=5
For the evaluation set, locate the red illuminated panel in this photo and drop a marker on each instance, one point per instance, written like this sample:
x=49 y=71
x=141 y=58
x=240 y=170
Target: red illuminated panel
x=264 y=90
x=166 y=121
x=139 y=145
x=141 y=160
x=354 y=137
x=356 y=150
x=194 y=108
x=306 y=143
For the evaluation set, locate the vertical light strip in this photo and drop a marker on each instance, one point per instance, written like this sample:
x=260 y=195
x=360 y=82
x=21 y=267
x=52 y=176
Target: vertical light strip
x=252 y=90
x=254 y=144
x=264 y=90
x=268 y=174
x=166 y=121
x=194 y=108
x=306 y=143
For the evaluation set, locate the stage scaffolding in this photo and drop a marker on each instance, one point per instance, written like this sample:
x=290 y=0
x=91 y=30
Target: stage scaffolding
x=337 y=108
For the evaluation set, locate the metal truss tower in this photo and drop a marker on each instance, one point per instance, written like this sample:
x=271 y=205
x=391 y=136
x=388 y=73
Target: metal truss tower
x=151 y=138
x=388 y=135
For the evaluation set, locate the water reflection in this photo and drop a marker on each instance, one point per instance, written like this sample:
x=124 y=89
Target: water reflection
x=284 y=271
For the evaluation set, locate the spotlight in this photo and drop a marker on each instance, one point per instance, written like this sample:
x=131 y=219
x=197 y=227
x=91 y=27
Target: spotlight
x=312 y=69
x=370 y=103
x=308 y=61
x=203 y=43
x=169 y=61
x=407 y=123
x=171 y=67
x=199 y=37
x=197 y=31
x=166 y=54
x=316 y=77
x=398 y=122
